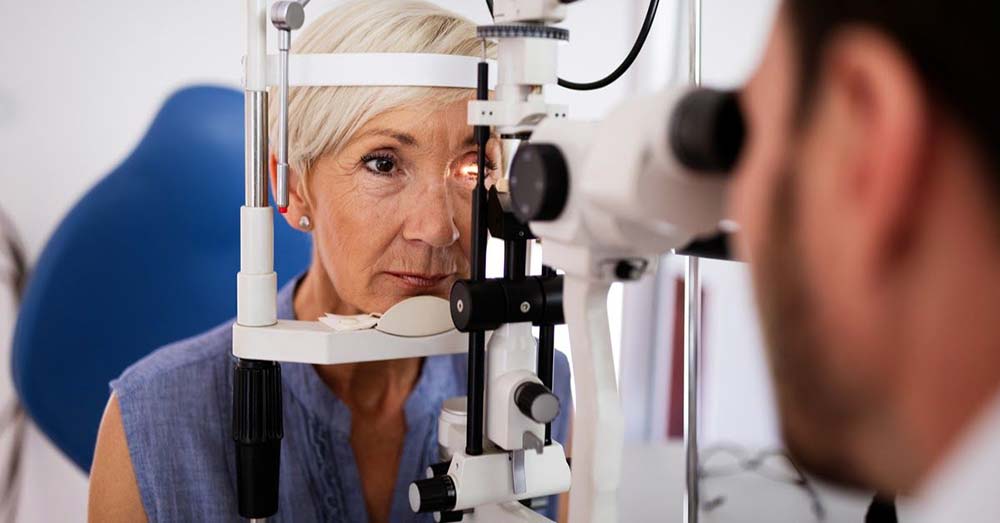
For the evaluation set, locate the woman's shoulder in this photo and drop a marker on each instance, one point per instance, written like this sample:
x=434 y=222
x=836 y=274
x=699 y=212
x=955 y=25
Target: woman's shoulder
x=175 y=410
x=184 y=386
x=183 y=361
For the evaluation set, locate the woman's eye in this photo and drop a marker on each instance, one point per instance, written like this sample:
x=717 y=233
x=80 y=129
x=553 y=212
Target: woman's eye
x=381 y=165
x=471 y=169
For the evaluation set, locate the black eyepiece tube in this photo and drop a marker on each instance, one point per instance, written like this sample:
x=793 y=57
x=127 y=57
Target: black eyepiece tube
x=257 y=432
x=477 y=340
x=707 y=131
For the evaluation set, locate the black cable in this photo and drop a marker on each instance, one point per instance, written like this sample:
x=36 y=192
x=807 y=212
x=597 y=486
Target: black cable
x=489 y=4
x=647 y=26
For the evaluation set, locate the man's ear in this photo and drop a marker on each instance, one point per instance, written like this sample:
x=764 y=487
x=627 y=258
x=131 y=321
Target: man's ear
x=886 y=107
x=297 y=205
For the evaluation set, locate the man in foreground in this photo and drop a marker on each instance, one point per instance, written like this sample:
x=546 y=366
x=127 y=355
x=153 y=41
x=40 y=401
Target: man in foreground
x=869 y=195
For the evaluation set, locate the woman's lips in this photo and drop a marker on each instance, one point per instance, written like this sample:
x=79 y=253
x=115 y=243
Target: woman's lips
x=420 y=281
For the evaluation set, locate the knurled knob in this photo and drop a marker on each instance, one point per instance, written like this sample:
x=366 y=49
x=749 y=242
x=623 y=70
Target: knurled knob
x=433 y=494
x=537 y=402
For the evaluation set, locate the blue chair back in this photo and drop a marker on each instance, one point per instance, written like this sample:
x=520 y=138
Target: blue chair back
x=147 y=257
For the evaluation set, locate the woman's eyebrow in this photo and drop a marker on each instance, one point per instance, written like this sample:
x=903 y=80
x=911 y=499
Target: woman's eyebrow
x=399 y=136
x=471 y=140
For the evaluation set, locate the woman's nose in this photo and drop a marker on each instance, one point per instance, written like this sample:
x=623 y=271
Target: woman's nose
x=432 y=218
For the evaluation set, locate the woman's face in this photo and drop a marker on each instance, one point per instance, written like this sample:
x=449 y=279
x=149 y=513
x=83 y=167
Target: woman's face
x=391 y=211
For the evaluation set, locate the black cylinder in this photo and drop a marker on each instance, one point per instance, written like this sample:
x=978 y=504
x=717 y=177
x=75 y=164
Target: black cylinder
x=537 y=402
x=488 y=304
x=433 y=494
x=707 y=131
x=257 y=432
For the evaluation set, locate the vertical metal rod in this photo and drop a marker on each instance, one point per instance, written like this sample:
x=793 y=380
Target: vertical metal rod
x=692 y=314
x=281 y=187
x=476 y=393
x=546 y=353
x=255 y=115
x=515 y=259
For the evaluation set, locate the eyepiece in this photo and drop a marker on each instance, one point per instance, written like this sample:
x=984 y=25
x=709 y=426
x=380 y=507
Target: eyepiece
x=707 y=131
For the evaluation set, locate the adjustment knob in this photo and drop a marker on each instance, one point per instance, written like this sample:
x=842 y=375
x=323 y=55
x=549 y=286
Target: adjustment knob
x=537 y=402
x=707 y=131
x=539 y=182
x=433 y=494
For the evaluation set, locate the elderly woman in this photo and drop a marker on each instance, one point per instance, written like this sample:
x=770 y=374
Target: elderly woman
x=381 y=180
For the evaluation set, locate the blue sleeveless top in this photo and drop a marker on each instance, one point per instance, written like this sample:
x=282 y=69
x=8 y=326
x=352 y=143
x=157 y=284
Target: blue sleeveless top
x=176 y=407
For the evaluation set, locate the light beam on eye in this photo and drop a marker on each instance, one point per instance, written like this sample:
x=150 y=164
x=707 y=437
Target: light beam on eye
x=470 y=170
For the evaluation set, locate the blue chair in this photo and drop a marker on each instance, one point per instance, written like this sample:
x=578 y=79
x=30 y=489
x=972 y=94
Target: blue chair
x=147 y=257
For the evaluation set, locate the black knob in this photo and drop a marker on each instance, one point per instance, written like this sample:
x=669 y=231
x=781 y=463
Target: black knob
x=433 y=494
x=707 y=131
x=537 y=402
x=478 y=305
x=539 y=182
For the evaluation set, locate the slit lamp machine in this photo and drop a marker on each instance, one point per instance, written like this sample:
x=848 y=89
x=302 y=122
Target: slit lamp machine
x=606 y=200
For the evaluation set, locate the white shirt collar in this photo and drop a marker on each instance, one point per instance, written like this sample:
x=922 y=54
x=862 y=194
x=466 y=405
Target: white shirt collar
x=965 y=487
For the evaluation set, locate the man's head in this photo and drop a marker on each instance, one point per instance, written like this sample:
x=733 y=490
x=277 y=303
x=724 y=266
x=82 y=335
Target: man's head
x=869 y=194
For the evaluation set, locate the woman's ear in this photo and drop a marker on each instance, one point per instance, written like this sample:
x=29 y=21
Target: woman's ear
x=297 y=206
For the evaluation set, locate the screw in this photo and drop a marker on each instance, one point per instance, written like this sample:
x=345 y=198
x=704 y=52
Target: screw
x=525 y=307
x=460 y=305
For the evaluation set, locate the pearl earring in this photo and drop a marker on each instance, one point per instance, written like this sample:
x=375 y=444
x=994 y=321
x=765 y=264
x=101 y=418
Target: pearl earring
x=305 y=223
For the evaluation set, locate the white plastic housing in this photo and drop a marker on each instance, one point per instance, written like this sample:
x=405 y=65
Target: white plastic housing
x=451 y=426
x=511 y=11
x=256 y=283
x=512 y=356
x=527 y=61
x=599 y=424
x=486 y=479
x=629 y=196
x=512 y=512
x=524 y=67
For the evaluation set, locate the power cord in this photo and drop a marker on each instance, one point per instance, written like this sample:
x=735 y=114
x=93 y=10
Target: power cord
x=640 y=41
x=647 y=26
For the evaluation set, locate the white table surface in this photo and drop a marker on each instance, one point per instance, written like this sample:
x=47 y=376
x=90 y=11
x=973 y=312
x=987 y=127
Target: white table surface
x=652 y=490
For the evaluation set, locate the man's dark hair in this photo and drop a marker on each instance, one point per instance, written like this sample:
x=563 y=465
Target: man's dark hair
x=952 y=44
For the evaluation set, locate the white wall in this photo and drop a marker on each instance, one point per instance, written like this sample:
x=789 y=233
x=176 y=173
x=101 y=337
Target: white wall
x=736 y=395
x=737 y=401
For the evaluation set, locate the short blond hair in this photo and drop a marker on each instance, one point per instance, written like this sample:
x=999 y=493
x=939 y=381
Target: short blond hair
x=321 y=120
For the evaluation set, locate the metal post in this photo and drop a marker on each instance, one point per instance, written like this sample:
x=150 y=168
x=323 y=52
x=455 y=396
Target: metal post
x=692 y=314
